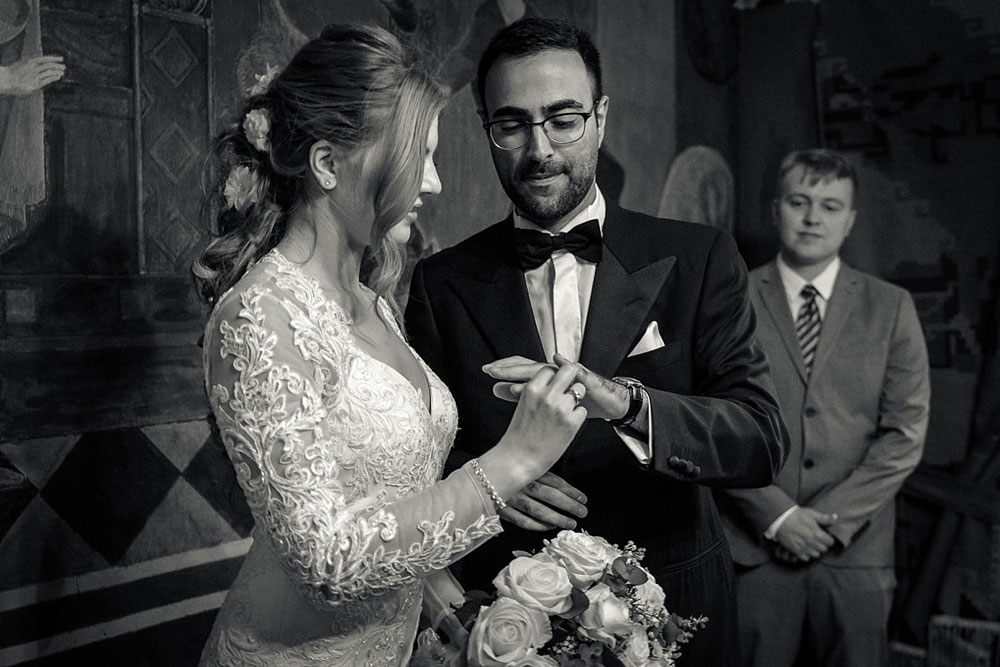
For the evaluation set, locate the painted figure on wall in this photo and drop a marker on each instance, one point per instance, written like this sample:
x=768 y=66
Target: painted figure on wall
x=24 y=72
x=699 y=188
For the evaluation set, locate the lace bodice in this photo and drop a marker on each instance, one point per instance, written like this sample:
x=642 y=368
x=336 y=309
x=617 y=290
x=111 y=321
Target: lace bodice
x=340 y=462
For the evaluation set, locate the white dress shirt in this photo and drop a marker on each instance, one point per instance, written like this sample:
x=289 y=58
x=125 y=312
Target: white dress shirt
x=793 y=284
x=559 y=291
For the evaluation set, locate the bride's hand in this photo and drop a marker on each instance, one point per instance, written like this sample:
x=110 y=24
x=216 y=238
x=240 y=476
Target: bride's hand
x=546 y=419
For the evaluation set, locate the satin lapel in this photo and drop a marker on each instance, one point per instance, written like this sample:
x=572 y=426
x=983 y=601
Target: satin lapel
x=838 y=311
x=619 y=304
x=772 y=294
x=497 y=299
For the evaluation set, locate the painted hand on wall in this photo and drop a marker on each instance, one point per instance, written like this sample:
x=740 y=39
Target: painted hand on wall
x=29 y=75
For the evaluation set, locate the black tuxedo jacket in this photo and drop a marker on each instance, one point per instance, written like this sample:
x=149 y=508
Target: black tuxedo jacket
x=710 y=392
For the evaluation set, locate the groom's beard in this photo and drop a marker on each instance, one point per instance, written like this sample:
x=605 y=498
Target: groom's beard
x=550 y=203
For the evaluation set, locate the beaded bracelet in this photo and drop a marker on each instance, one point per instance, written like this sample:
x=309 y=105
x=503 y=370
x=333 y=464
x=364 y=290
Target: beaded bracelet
x=498 y=502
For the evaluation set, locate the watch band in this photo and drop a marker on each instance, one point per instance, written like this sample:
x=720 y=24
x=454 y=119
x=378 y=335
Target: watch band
x=635 y=391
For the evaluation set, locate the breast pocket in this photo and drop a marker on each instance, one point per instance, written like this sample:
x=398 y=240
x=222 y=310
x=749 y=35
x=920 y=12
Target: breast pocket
x=650 y=363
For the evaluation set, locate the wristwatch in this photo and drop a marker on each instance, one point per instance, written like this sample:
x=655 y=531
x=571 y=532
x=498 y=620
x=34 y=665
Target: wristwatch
x=635 y=392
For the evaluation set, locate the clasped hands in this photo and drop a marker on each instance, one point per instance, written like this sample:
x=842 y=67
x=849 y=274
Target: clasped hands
x=550 y=502
x=803 y=536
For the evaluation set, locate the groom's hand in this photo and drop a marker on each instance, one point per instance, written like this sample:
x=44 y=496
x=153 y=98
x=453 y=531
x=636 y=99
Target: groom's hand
x=513 y=372
x=603 y=398
x=548 y=503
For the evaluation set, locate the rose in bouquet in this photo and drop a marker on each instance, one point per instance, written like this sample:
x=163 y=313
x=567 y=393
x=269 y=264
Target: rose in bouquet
x=579 y=602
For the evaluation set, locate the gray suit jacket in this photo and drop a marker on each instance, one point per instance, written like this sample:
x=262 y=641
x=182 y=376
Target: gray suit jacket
x=856 y=426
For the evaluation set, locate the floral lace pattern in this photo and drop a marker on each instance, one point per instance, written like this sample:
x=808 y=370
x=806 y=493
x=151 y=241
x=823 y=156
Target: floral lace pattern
x=340 y=460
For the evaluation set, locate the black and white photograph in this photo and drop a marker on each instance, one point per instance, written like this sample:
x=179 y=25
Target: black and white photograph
x=500 y=333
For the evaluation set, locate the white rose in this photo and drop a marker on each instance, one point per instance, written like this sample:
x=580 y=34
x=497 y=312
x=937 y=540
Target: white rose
x=585 y=557
x=635 y=650
x=534 y=660
x=606 y=616
x=506 y=632
x=537 y=582
x=650 y=593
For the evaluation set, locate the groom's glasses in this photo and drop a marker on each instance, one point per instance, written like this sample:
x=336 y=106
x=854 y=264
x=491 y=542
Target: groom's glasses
x=561 y=128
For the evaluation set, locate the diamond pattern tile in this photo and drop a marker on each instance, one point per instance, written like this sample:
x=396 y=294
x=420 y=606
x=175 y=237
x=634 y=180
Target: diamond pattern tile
x=176 y=236
x=16 y=491
x=38 y=458
x=40 y=546
x=174 y=152
x=184 y=521
x=107 y=487
x=174 y=58
x=179 y=441
x=211 y=474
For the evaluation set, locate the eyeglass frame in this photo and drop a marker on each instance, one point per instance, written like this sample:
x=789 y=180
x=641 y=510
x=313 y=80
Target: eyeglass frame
x=488 y=125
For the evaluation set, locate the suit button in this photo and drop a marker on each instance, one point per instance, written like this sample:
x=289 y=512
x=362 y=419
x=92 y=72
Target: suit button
x=808 y=463
x=810 y=412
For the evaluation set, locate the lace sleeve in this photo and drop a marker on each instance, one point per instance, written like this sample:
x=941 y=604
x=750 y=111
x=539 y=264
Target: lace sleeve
x=273 y=390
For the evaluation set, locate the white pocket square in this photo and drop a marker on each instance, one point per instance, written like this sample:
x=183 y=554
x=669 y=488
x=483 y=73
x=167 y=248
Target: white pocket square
x=650 y=340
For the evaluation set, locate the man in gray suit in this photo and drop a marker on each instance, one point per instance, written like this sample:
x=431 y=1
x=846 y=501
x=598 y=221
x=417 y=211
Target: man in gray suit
x=814 y=550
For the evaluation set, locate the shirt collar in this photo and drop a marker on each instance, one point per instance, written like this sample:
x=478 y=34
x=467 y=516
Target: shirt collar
x=594 y=211
x=823 y=283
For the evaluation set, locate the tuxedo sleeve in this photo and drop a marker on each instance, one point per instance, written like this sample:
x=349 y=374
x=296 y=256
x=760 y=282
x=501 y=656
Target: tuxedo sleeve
x=730 y=426
x=897 y=446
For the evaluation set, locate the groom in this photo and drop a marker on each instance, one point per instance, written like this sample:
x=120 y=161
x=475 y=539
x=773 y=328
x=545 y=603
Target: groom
x=655 y=312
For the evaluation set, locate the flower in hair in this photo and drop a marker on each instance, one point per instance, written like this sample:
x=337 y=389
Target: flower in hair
x=256 y=125
x=241 y=188
x=264 y=80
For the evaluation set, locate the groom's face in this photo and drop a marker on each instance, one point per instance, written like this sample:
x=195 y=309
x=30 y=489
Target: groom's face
x=547 y=181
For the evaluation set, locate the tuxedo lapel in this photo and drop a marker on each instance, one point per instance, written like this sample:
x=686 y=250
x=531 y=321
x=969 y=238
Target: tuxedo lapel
x=772 y=294
x=620 y=300
x=497 y=300
x=838 y=311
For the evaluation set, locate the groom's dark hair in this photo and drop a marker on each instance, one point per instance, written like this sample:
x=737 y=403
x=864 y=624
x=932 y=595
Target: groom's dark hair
x=534 y=35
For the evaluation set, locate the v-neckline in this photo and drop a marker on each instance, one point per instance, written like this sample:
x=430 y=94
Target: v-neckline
x=428 y=403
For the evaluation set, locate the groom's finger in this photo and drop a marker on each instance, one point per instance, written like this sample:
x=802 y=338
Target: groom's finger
x=510 y=371
x=566 y=499
x=532 y=514
x=508 y=391
x=522 y=520
x=559 y=484
x=516 y=360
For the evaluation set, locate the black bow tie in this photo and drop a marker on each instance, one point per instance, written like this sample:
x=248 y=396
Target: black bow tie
x=534 y=247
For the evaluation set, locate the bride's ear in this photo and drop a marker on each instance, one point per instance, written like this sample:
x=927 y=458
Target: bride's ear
x=323 y=158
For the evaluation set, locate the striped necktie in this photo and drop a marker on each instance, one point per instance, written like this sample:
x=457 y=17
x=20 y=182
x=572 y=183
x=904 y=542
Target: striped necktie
x=807 y=326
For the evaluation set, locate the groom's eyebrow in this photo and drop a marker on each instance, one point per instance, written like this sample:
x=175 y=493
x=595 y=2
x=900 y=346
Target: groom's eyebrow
x=547 y=110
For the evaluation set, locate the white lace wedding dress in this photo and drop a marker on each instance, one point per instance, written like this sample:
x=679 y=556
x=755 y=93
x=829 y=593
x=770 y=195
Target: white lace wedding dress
x=340 y=461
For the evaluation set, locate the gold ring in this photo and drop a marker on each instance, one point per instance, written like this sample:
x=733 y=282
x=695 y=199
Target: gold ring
x=576 y=395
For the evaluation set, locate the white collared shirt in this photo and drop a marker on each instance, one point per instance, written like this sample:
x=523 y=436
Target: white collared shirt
x=559 y=291
x=793 y=284
x=563 y=282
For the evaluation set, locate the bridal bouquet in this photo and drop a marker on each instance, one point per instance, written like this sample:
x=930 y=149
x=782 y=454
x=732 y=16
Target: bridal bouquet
x=579 y=602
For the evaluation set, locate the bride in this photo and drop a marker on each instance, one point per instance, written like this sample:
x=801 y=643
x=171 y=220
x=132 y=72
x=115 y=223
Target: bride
x=337 y=431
